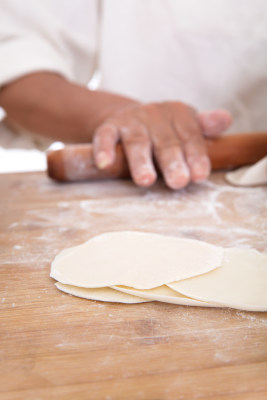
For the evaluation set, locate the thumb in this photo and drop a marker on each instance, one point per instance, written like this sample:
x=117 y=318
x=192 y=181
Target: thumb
x=215 y=122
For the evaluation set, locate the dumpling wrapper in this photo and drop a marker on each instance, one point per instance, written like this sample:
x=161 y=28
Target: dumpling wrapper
x=240 y=283
x=136 y=259
x=249 y=176
x=101 y=294
x=164 y=294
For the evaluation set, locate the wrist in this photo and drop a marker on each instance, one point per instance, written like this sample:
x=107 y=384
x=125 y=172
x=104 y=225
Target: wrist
x=47 y=104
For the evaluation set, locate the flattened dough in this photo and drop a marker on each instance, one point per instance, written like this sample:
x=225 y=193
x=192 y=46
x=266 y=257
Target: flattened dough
x=102 y=294
x=240 y=283
x=165 y=294
x=136 y=259
x=249 y=176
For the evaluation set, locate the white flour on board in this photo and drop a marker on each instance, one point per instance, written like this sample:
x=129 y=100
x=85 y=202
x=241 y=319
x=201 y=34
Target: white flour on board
x=59 y=216
x=212 y=211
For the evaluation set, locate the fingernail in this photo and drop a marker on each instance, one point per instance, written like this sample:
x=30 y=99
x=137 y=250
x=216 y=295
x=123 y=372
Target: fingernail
x=102 y=160
x=178 y=181
x=146 y=177
x=145 y=180
x=179 y=177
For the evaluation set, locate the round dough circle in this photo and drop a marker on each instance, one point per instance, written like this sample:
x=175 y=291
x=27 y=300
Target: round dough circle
x=101 y=294
x=240 y=283
x=164 y=294
x=136 y=259
x=249 y=176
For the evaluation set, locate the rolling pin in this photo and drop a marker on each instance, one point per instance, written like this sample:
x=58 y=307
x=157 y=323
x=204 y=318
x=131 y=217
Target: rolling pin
x=75 y=162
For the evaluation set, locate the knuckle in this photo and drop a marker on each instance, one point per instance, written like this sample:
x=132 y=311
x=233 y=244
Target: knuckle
x=107 y=128
x=171 y=160
x=152 y=107
x=106 y=132
x=191 y=136
x=134 y=134
x=167 y=145
x=136 y=140
x=196 y=146
x=180 y=108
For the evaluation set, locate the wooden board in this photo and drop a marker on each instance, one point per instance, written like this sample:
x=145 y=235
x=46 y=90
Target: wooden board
x=55 y=346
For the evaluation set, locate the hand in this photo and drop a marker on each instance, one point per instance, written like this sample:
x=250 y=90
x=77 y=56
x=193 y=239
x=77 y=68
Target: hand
x=169 y=134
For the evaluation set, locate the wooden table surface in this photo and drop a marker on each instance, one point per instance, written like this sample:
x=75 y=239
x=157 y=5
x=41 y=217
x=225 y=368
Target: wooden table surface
x=56 y=346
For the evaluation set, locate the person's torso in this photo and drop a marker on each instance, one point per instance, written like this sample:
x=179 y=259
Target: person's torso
x=209 y=53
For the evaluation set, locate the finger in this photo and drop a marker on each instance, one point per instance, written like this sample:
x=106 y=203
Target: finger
x=104 y=144
x=214 y=123
x=194 y=148
x=198 y=162
x=168 y=152
x=173 y=166
x=138 y=149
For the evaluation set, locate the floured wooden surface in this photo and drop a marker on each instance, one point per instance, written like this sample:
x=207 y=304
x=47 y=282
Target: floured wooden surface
x=53 y=344
x=212 y=211
x=63 y=215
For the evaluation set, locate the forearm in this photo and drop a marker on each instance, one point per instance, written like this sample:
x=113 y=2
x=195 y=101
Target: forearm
x=49 y=105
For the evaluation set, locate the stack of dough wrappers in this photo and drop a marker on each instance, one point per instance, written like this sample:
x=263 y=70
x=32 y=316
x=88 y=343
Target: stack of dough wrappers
x=137 y=267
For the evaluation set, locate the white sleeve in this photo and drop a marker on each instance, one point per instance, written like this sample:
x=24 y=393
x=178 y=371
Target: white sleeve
x=47 y=35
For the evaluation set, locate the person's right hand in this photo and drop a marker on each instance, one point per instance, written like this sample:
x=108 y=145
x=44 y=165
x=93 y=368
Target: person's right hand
x=168 y=135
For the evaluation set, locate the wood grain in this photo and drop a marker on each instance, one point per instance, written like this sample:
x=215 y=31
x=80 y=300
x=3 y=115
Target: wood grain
x=55 y=346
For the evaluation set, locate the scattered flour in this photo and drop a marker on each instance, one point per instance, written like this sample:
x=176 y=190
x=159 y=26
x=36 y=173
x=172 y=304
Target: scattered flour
x=211 y=211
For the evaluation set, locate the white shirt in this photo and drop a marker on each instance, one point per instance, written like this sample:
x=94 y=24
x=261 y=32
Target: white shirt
x=208 y=53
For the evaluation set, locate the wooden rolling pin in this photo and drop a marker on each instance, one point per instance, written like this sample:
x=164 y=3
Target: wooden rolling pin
x=75 y=162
